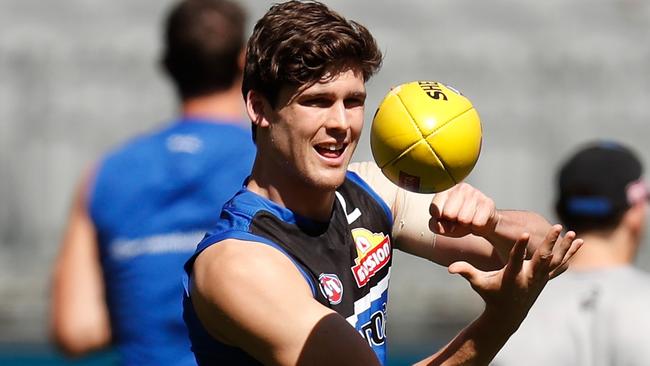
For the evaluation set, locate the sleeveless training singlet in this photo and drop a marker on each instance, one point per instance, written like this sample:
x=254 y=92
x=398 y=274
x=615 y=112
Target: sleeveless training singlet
x=152 y=201
x=346 y=263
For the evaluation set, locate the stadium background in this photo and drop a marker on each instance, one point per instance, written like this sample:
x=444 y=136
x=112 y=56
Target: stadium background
x=79 y=76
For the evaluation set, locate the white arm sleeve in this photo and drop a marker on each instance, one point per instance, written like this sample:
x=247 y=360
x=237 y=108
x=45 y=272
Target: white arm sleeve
x=411 y=231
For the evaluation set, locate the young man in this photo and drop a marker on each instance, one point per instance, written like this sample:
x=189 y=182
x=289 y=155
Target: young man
x=137 y=217
x=597 y=313
x=297 y=270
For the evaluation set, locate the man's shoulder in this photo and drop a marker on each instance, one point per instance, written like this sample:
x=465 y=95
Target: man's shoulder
x=197 y=144
x=180 y=136
x=367 y=178
x=132 y=146
x=236 y=261
x=230 y=254
x=629 y=281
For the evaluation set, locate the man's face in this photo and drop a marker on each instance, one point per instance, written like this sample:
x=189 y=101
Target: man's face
x=314 y=131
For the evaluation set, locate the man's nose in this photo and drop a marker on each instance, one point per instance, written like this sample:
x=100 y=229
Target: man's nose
x=338 y=117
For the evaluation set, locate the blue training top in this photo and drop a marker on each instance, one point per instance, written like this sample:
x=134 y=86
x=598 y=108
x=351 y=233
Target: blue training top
x=151 y=203
x=345 y=261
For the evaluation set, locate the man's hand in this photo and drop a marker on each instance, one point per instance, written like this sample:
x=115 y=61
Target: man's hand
x=508 y=293
x=512 y=290
x=462 y=210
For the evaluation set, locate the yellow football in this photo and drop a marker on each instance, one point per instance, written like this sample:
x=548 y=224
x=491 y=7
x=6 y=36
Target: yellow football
x=425 y=136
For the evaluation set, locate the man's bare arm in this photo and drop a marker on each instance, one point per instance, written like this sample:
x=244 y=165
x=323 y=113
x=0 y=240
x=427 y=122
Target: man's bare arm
x=411 y=230
x=463 y=213
x=79 y=316
x=251 y=296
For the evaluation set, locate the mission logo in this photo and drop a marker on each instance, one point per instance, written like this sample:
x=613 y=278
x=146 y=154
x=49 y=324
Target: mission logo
x=373 y=254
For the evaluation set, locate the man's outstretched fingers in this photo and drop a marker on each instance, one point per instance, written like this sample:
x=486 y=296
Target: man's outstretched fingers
x=558 y=271
x=516 y=258
x=545 y=250
x=561 y=248
x=544 y=253
x=575 y=245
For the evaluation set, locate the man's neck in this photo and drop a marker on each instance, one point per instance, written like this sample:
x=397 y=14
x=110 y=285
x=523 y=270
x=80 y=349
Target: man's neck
x=307 y=201
x=604 y=251
x=220 y=106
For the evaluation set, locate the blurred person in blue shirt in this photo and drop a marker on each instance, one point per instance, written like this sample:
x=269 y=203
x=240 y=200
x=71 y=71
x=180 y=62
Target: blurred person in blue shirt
x=139 y=213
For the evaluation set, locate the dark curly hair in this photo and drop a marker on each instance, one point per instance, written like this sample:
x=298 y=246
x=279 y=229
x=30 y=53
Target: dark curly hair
x=298 y=43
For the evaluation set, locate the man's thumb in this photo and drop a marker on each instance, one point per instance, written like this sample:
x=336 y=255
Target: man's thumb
x=464 y=269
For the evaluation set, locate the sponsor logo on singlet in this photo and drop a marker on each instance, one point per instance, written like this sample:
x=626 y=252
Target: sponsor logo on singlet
x=374 y=330
x=373 y=253
x=369 y=317
x=331 y=287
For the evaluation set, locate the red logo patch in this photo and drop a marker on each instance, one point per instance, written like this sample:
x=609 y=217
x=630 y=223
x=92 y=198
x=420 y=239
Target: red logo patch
x=331 y=287
x=409 y=182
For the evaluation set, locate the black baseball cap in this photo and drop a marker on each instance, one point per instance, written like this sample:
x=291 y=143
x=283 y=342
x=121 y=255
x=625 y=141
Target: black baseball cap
x=600 y=182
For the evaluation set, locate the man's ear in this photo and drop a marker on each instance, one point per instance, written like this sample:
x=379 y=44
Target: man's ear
x=635 y=217
x=257 y=108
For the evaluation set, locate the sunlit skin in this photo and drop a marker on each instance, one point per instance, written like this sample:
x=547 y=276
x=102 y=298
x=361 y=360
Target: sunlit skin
x=306 y=142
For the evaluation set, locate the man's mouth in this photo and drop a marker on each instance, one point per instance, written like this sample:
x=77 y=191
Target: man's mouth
x=331 y=150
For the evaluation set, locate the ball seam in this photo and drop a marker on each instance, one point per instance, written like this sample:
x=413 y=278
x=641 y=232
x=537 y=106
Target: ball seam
x=433 y=153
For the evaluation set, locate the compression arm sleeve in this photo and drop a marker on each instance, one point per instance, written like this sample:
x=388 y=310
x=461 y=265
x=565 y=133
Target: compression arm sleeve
x=411 y=231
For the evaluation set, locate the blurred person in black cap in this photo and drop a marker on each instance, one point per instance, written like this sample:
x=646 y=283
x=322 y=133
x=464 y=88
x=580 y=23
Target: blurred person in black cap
x=597 y=313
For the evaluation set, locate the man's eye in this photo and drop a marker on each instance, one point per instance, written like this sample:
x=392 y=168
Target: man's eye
x=354 y=102
x=317 y=102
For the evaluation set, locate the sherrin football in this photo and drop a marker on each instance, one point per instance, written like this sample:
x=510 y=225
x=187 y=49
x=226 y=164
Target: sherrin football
x=425 y=136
